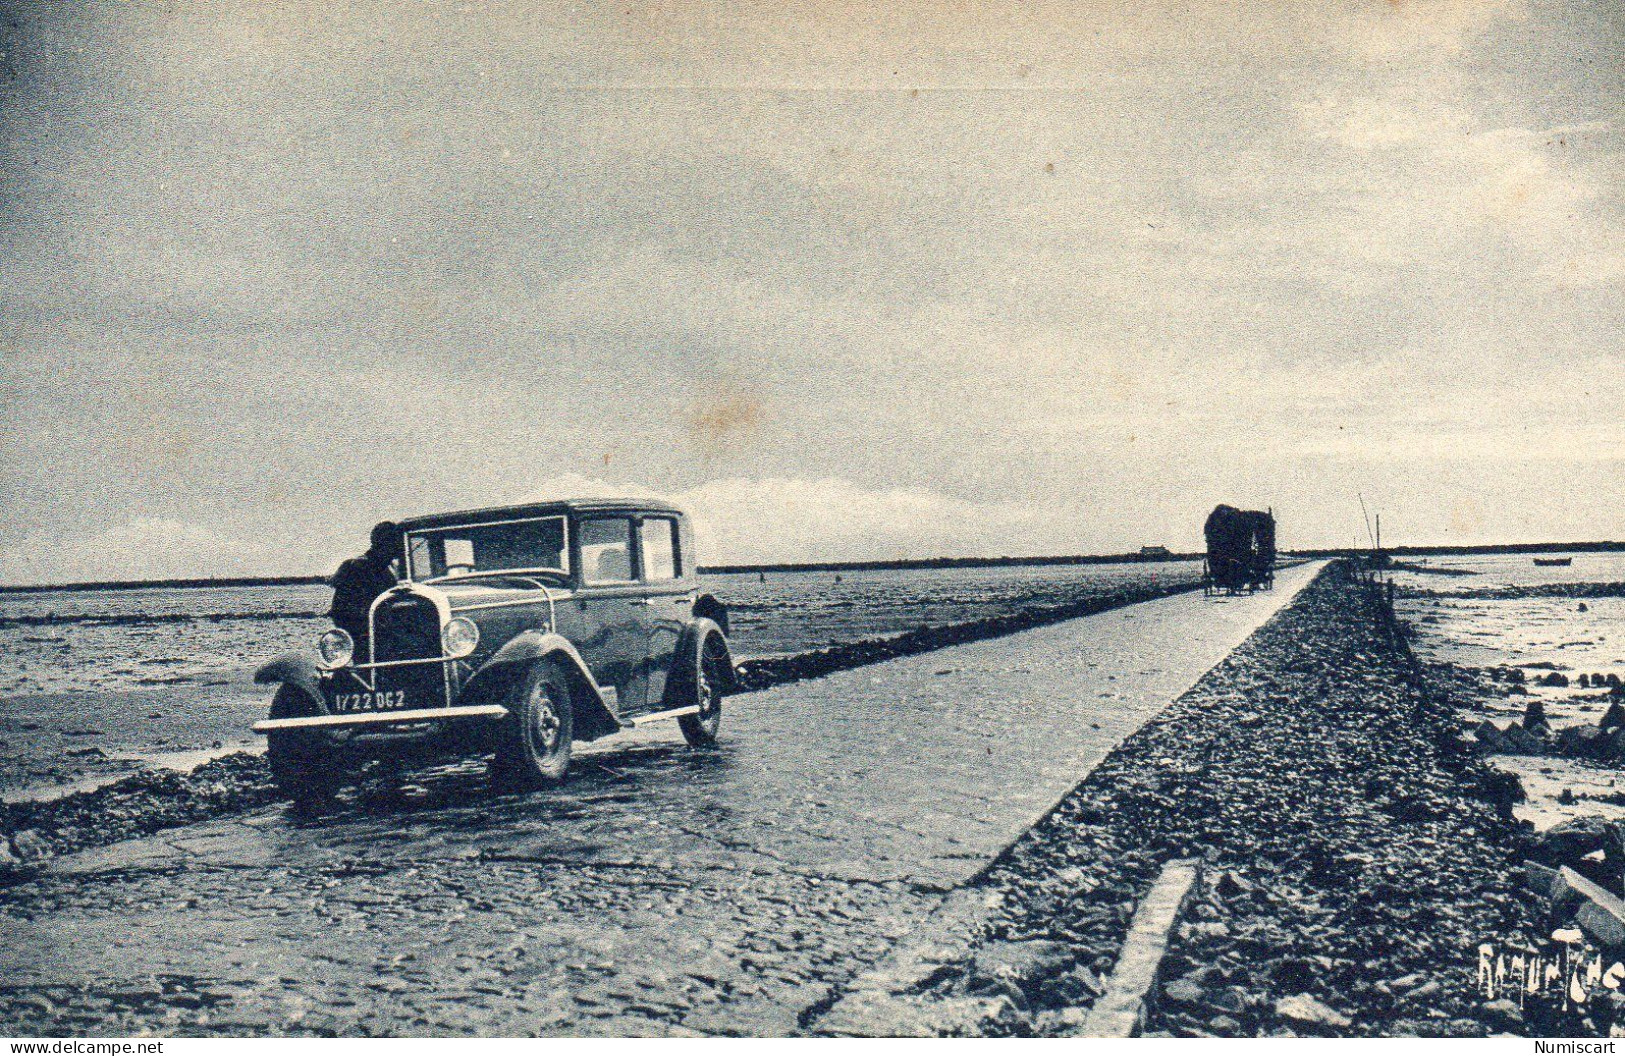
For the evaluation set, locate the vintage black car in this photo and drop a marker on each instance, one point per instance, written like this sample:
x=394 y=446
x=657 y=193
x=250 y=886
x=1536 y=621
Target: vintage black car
x=515 y=631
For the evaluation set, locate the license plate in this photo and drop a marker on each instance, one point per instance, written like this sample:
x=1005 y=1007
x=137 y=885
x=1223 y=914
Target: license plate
x=372 y=700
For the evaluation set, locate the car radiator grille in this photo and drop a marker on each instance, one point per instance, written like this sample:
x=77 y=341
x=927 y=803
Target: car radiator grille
x=408 y=628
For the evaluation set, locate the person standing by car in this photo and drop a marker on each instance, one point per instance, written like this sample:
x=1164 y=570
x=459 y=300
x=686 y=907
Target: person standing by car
x=360 y=580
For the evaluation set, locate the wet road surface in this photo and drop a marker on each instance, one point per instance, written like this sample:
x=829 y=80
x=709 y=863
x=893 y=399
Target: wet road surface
x=661 y=891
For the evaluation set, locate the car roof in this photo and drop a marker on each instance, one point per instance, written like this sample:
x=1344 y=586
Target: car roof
x=539 y=509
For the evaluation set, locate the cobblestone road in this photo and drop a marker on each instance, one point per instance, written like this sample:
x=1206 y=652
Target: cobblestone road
x=662 y=891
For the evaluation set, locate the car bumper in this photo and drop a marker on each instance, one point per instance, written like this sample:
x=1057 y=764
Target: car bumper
x=485 y=712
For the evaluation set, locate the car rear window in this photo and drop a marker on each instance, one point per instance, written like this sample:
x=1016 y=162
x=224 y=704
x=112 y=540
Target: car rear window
x=660 y=554
x=606 y=550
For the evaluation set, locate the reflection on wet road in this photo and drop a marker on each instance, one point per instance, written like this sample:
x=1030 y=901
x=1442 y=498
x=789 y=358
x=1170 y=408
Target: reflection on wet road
x=662 y=890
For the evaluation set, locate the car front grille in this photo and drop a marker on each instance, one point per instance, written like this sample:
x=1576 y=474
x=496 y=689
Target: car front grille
x=405 y=628
x=408 y=628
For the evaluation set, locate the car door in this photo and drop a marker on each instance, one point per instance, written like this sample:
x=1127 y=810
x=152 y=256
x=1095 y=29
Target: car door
x=612 y=639
x=668 y=598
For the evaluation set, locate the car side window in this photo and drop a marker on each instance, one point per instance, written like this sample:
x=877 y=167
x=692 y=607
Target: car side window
x=606 y=550
x=658 y=536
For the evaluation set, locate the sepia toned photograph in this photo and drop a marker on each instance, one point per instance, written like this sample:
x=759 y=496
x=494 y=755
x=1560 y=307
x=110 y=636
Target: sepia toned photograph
x=671 y=520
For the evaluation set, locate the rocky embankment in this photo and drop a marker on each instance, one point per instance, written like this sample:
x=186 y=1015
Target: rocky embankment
x=1576 y=861
x=1483 y=688
x=1357 y=851
x=154 y=800
x=139 y=805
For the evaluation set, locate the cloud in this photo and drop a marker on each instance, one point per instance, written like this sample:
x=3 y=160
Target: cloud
x=832 y=519
x=742 y=521
x=1431 y=182
x=1382 y=33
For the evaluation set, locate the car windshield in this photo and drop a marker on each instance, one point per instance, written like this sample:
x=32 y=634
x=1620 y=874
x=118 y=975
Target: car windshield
x=497 y=548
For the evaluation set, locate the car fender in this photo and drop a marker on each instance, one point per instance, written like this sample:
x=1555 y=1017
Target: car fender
x=707 y=607
x=298 y=671
x=594 y=718
x=690 y=648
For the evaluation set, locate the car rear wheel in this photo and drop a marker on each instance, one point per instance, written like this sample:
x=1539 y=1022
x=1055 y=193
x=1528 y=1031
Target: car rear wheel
x=705 y=686
x=534 y=748
x=302 y=762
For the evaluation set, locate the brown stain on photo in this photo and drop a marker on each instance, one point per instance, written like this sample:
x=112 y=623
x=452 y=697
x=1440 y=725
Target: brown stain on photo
x=167 y=441
x=1508 y=200
x=725 y=417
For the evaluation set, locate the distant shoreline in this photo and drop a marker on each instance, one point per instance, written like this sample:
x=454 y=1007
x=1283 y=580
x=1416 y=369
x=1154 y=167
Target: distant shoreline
x=167 y=584
x=1605 y=547
x=922 y=563
x=902 y=565
x=929 y=563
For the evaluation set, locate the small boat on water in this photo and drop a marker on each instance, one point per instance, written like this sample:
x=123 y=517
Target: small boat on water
x=1554 y=561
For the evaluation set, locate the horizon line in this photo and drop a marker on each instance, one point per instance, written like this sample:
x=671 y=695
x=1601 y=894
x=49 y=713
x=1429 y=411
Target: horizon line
x=894 y=564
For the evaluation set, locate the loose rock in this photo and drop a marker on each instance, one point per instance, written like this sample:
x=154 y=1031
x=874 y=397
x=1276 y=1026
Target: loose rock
x=1304 y=1010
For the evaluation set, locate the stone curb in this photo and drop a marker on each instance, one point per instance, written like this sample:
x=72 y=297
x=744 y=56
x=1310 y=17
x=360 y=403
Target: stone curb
x=1121 y=1010
x=889 y=1000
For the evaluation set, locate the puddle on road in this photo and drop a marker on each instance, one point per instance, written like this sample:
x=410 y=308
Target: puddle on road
x=456 y=801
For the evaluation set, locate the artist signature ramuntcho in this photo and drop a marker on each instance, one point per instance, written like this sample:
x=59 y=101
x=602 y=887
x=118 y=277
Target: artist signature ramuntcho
x=1569 y=972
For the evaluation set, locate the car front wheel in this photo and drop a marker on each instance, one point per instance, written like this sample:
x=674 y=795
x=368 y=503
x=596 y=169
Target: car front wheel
x=705 y=686
x=302 y=762
x=535 y=743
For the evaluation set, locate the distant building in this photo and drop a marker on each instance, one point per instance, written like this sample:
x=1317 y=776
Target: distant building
x=1155 y=551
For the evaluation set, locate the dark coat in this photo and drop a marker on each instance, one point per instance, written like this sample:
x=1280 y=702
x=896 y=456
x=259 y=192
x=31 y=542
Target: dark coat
x=356 y=584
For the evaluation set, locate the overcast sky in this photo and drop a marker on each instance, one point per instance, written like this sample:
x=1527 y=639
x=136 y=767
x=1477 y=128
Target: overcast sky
x=850 y=280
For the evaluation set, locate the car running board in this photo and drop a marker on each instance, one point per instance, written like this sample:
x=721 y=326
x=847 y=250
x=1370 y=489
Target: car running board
x=373 y=718
x=674 y=713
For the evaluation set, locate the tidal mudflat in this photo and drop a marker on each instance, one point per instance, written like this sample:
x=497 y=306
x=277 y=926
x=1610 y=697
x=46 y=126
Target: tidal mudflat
x=1512 y=634
x=834 y=814
x=1358 y=844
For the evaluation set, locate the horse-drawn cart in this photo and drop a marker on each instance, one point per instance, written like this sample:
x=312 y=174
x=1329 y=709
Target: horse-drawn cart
x=1240 y=551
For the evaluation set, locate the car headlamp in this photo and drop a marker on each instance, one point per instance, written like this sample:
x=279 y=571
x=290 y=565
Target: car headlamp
x=460 y=637
x=336 y=647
